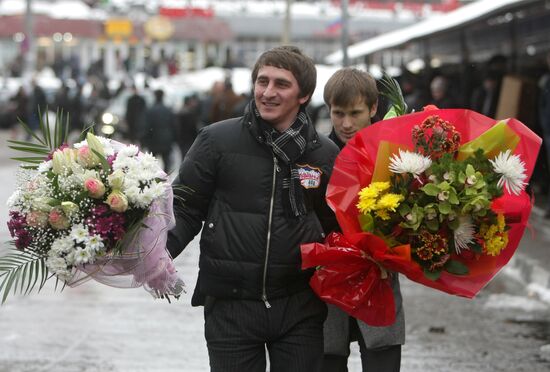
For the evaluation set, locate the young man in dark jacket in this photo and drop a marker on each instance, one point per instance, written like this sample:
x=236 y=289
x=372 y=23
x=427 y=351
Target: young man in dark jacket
x=258 y=183
x=352 y=98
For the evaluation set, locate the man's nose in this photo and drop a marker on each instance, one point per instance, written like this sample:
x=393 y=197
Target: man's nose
x=347 y=122
x=269 y=90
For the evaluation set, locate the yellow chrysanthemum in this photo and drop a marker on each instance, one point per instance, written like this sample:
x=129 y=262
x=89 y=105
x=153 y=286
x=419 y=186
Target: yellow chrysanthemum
x=365 y=205
x=368 y=193
x=382 y=214
x=380 y=186
x=389 y=201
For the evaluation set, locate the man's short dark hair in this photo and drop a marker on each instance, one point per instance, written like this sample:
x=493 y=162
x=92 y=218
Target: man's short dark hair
x=292 y=59
x=159 y=94
x=348 y=84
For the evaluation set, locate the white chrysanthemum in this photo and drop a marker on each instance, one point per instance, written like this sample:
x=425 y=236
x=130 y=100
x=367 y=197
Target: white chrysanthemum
x=512 y=171
x=79 y=233
x=82 y=256
x=464 y=233
x=409 y=162
x=62 y=245
x=128 y=151
x=95 y=243
x=64 y=275
x=56 y=264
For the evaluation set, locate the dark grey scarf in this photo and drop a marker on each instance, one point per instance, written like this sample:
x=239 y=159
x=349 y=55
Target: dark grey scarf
x=288 y=146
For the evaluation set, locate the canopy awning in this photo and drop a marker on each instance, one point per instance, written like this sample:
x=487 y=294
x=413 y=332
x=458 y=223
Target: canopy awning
x=437 y=24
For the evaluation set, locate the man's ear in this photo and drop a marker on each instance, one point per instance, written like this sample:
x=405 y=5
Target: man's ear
x=373 y=109
x=303 y=100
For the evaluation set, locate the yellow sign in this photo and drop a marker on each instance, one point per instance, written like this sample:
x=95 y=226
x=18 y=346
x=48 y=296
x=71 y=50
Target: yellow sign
x=159 y=28
x=118 y=28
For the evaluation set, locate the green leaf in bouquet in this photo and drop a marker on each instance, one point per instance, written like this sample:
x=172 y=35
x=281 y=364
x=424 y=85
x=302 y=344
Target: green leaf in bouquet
x=103 y=161
x=476 y=247
x=45 y=143
x=445 y=207
x=20 y=271
x=392 y=91
x=456 y=267
x=366 y=221
x=432 y=225
x=430 y=189
x=432 y=275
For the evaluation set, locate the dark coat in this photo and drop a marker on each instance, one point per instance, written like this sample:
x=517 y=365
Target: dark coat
x=337 y=331
x=231 y=182
x=135 y=115
x=160 y=129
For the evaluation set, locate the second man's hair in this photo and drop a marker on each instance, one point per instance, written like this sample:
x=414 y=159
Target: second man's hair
x=347 y=84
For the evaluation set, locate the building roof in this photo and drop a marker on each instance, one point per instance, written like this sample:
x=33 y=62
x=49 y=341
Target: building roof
x=437 y=24
x=200 y=29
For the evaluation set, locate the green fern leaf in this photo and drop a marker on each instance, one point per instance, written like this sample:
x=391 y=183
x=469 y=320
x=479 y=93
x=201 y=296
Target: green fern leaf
x=20 y=271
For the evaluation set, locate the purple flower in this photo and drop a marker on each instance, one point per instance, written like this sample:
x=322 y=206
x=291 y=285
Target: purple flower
x=17 y=226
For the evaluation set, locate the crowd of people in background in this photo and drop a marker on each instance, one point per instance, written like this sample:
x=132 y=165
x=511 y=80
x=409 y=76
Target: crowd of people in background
x=480 y=91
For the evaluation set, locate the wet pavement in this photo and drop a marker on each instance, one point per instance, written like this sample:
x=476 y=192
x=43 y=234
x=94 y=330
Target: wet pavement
x=94 y=328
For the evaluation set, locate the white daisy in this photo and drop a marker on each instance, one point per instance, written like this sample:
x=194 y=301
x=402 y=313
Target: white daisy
x=464 y=233
x=82 y=256
x=512 y=171
x=409 y=162
x=96 y=243
x=79 y=233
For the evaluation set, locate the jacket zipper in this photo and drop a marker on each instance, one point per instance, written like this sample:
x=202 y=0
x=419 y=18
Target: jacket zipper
x=268 y=242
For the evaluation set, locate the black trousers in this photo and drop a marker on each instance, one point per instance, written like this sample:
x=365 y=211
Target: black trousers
x=238 y=333
x=384 y=359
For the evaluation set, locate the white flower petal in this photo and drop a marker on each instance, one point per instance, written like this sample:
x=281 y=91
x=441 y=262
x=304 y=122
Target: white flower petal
x=464 y=233
x=409 y=162
x=512 y=171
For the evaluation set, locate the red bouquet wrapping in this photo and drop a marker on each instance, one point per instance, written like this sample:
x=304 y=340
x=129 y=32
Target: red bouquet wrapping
x=436 y=195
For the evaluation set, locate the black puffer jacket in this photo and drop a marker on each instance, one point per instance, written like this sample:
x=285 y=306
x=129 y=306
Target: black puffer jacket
x=233 y=183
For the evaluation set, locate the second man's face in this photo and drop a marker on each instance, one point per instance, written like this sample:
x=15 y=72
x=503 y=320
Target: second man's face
x=277 y=96
x=350 y=119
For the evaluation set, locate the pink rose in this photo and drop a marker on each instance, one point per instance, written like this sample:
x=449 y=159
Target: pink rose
x=117 y=201
x=58 y=220
x=95 y=187
x=85 y=156
x=37 y=219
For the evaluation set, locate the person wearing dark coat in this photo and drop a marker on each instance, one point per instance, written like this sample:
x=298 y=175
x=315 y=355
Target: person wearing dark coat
x=188 y=122
x=352 y=98
x=160 y=130
x=258 y=184
x=135 y=115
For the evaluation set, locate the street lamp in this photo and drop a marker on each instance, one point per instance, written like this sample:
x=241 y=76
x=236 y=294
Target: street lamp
x=344 y=32
x=28 y=47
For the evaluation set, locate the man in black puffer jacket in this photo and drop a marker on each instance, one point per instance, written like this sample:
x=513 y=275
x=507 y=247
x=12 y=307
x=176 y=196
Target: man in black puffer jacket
x=258 y=183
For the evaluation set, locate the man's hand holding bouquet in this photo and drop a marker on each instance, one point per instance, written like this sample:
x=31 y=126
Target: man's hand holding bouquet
x=436 y=195
x=98 y=209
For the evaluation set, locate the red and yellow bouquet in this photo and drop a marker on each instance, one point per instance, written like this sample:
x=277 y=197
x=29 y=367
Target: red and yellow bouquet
x=436 y=195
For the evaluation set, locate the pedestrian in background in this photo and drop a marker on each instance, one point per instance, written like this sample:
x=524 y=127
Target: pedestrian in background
x=441 y=95
x=188 y=122
x=135 y=115
x=160 y=130
x=352 y=98
x=258 y=183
